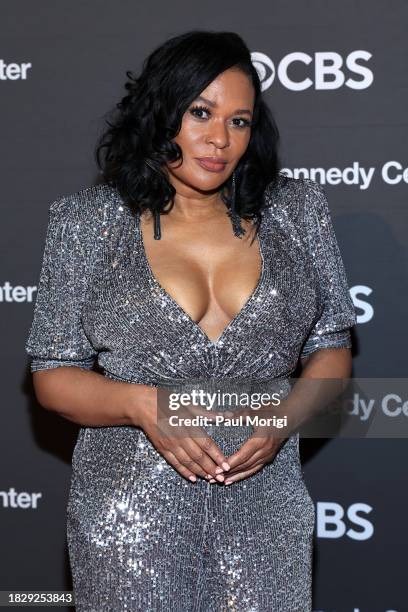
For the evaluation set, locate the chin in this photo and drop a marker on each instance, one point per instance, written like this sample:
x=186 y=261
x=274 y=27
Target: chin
x=208 y=185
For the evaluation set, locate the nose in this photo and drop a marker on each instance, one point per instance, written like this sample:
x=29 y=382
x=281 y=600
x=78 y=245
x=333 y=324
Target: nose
x=218 y=135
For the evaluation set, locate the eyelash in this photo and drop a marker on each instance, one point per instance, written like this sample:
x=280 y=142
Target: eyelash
x=207 y=110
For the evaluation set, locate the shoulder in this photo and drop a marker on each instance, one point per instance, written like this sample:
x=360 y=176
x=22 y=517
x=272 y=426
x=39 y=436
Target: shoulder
x=289 y=192
x=295 y=197
x=91 y=202
x=87 y=213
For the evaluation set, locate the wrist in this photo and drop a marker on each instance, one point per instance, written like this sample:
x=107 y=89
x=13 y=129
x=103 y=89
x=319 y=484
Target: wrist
x=143 y=399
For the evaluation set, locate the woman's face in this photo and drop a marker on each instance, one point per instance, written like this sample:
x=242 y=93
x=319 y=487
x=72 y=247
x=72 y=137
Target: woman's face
x=217 y=124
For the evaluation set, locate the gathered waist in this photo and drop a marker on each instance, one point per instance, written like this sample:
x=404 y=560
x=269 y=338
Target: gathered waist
x=210 y=382
x=225 y=392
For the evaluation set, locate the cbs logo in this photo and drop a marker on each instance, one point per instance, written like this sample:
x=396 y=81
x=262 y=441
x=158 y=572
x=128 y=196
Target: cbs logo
x=327 y=70
x=333 y=521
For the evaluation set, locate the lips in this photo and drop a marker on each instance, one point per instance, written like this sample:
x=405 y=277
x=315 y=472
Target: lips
x=211 y=164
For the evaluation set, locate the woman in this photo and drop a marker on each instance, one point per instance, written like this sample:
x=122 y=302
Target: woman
x=194 y=261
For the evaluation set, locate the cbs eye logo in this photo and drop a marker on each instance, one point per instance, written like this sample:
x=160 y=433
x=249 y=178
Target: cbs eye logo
x=264 y=67
x=323 y=70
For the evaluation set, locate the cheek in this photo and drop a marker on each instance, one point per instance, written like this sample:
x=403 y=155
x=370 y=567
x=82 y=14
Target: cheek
x=189 y=139
x=191 y=129
x=240 y=141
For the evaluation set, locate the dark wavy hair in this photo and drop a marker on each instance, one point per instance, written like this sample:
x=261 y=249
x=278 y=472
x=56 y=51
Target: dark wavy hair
x=138 y=142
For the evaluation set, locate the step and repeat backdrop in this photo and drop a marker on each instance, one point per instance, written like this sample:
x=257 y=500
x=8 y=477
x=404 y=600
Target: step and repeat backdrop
x=335 y=76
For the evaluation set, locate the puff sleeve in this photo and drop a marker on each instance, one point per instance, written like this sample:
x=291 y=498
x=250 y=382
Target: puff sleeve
x=337 y=314
x=56 y=337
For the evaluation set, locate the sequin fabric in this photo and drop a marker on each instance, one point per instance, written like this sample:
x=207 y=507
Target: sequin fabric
x=140 y=536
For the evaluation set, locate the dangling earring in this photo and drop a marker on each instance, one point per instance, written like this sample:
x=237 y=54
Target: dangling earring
x=157 y=228
x=232 y=213
x=156 y=213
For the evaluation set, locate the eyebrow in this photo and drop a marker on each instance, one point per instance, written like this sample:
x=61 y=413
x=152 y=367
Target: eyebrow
x=214 y=104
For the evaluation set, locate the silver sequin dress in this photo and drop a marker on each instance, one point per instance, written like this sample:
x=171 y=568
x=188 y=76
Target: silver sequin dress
x=140 y=536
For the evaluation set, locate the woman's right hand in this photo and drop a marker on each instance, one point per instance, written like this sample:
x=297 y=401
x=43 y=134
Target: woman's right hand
x=191 y=451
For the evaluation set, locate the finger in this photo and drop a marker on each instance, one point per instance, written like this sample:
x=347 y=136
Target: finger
x=266 y=452
x=241 y=475
x=194 y=460
x=200 y=451
x=186 y=451
x=246 y=465
x=245 y=452
x=211 y=448
x=181 y=469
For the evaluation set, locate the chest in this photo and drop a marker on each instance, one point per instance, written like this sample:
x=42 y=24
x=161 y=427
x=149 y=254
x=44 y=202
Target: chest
x=207 y=270
x=265 y=294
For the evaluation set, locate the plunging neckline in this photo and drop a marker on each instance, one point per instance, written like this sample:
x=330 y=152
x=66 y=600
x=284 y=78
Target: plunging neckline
x=178 y=309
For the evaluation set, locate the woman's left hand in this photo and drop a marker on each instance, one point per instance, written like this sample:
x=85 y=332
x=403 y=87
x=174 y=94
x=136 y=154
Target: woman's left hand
x=258 y=450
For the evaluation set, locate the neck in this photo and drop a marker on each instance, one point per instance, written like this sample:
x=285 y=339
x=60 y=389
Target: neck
x=194 y=205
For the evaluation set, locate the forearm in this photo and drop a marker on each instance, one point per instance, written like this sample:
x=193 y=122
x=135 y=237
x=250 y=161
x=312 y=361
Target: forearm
x=324 y=376
x=90 y=399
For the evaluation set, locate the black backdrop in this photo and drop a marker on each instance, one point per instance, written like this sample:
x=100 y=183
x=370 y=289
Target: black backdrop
x=335 y=75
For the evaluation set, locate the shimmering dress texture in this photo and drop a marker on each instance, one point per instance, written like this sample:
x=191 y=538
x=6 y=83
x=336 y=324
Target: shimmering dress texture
x=140 y=536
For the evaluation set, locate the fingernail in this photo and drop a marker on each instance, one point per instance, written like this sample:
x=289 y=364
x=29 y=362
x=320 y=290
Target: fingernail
x=192 y=478
x=209 y=476
x=225 y=466
x=220 y=478
x=227 y=482
x=218 y=470
x=212 y=480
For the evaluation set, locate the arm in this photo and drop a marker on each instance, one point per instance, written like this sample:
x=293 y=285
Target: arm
x=63 y=356
x=326 y=352
x=327 y=363
x=324 y=372
x=308 y=396
x=91 y=399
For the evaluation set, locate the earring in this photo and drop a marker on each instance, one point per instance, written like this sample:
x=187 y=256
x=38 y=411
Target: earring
x=157 y=228
x=232 y=213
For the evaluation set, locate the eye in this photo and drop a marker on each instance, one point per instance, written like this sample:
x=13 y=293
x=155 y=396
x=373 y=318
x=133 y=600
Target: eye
x=196 y=110
x=246 y=123
x=199 y=109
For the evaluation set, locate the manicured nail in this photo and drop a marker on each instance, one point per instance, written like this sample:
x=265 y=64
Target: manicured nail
x=220 y=478
x=226 y=466
x=218 y=470
x=212 y=480
x=192 y=478
x=227 y=482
